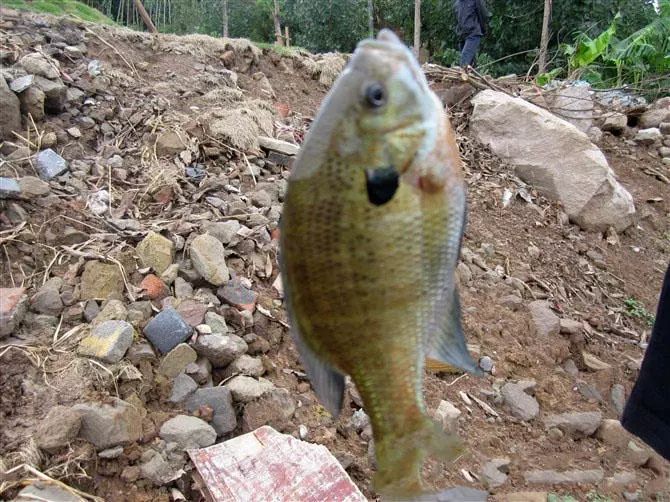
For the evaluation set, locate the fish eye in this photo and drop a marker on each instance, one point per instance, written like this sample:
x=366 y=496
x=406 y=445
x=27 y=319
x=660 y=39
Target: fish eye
x=375 y=95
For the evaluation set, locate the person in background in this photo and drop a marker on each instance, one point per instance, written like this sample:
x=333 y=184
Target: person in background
x=647 y=412
x=473 y=18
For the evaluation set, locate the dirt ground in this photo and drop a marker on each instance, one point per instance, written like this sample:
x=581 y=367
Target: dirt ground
x=584 y=276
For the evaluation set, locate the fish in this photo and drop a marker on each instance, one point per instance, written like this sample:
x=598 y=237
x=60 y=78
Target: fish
x=370 y=235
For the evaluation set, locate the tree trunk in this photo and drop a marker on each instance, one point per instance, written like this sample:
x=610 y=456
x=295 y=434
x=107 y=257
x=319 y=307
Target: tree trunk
x=287 y=39
x=417 y=27
x=544 y=41
x=145 y=16
x=275 y=15
x=224 y=17
x=371 y=20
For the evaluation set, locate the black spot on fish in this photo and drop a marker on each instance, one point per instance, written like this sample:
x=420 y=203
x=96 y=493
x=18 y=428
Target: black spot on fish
x=382 y=184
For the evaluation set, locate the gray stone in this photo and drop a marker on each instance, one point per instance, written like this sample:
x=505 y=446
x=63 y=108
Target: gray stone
x=50 y=164
x=555 y=157
x=9 y=188
x=245 y=389
x=574 y=104
x=113 y=310
x=486 y=364
x=182 y=387
x=10 y=118
x=648 y=136
x=614 y=122
x=612 y=433
x=664 y=127
x=245 y=365
x=589 y=392
x=167 y=330
x=577 y=424
x=44 y=491
x=544 y=322
x=110 y=424
x=32 y=102
x=33 y=187
x=221 y=350
x=160 y=471
x=108 y=341
x=239 y=296
x=20 y=84
x=188 y=432
x=618 y=398
x=156 y=251
x=182 y=288
x=140 y=351
x=520 y=404
x=47 y=300
x=219 y=399
x=636 y=454
x=447 y=415
x=216 y=322
x=224 y=231
x=278 y=145
x=39 y=64
x=55 y=94
x=207 y=255
x=200 y=370
x=664 y=151
x=495 y=472
x=60 y=427
x=549 y=477
x=176 y=360
x=275 y=408
x=111 y=453
x=653 y=117
x=570 y=326
x=462 y=494
x=260 y=198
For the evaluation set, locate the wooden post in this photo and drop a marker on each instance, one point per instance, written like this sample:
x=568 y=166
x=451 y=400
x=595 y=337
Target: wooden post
x=544 y=41
x=287 y=40
x=224 y=18
x=417 y=27
x=275 y=15
x=145 y=16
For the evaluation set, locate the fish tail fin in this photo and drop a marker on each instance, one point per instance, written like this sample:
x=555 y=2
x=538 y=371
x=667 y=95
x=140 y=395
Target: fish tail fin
x=400 y=458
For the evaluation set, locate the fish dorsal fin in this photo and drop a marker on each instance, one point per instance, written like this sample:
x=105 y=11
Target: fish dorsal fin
x=447 y=344
x=327 y=382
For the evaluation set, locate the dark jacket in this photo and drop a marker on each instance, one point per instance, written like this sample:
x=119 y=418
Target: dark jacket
x=647 y=413
x=472 y=17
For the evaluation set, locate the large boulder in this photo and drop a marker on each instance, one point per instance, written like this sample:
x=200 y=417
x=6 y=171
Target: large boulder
x=555 y=157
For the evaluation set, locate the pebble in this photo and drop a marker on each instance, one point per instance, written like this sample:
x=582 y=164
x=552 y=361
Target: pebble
x=219 y=399
x=275 y=408
x=221 y=350
x=495 y=472
x=182 y=288
x=577 y=424
x=101 y=281
x=648 y=136
x=636 y=454
x=239 y=296
x=200 y=370
x=216 y=322
x=520 y=404
x=109 y=424
x=575 y=476
x=447 y=415
x=18 y=85
x=111 y=453
x=112 y=310
x=167 y=330
x=156 y=251
x=13 y=306
x=463 y=494
x=140 y=351
x=486 y=364
x=544 y=322
x=58 y=428
x=9 y=188
x=32 y=187
x=108 y=341
x=47 y=300
x=50 y=164
x=43 y=491
x=570 y=326
x=245 y=365
x=245 y=389
x=188 y=432
x=618 y=398
x=193 y=312
x=225 y=231
x=593 y=363
x=176 y=360
x=612 y=433
x=207 y=255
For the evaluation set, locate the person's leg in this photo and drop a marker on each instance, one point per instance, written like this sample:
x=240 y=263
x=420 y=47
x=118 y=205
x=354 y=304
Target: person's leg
x=469 y=50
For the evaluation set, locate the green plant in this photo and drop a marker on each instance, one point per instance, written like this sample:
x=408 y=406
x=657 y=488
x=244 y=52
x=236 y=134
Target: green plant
x=553 y=497
x=60 y=8
x=634 y=308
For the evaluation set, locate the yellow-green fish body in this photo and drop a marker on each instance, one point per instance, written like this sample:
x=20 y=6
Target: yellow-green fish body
x=370 y=235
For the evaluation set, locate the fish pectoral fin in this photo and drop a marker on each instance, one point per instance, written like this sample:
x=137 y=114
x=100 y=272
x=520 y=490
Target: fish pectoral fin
x=448 y=343
x=327 y=382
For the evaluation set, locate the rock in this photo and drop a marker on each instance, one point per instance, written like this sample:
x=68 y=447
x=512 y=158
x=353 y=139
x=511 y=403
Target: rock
x=113 y=310
x=593 y=363
x=49 y=140
x=13 y=306
x=192 y=312
x=108 y=341
x=664 y=127
x=39 y=64
x=618 y=398
x=140 y=351
x=463 y=494
x=589 y=392
x=9 y=188
x=177 y=359
x=10 y=118
x=577 y=424
x=548 y=477
x=486 y=364
x=60 y=427
x=525 y=497
x=55 y=94
x=170 y=274
x=20 y=84
x=359 y=420
x=182 y=387
x=111 y=453
x=220 y=400
x=648 y=136
x=245 y=365
x=575 y=105
x=245 y=389
x=620 y=480
x=101 y=281
x=495 y=472
x=224 y=231
x=73 y=52
x=200 y=370
x=47 y=300
x=45 y=491
x=32 y=102
x=637 y=455
x=108 y=425
x=570 y=327
x=32 y=187
x=277 y=145
x=160 y=471
x=664 y=151
x=207 y=255
x=154 y=288
x=653 y=117
x=50 y=164
x=237 y=295
x=188 y=432
x=544 y=322
x=167 y=330
x=169 y=143
x=182 y=288
x=156 y=251
x=555 y=157
x=612 y=433
x=276 y=409
x=520 y=404
x=216 y=322
x=614 y=122
x=221 y=350
x=447 y=415
x=260 y=198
